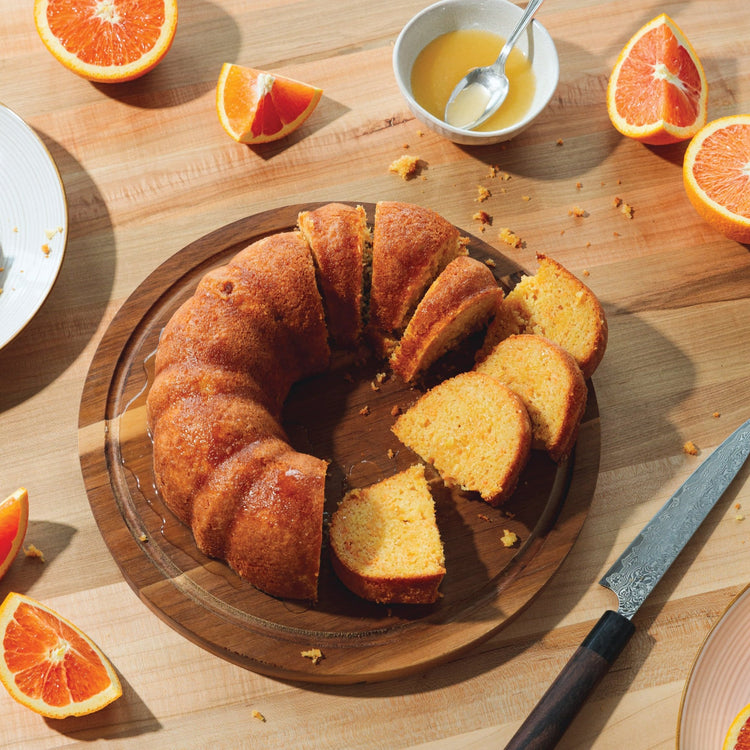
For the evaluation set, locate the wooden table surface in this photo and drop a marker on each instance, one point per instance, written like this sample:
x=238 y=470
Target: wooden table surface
x=147 y=170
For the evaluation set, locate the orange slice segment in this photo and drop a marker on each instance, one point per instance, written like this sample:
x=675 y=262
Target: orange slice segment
x=258 y=107
x=716 y=175
x=738 y=736
x=14 y=519
x=107 y=40
x=657 y=91
x=49 y=665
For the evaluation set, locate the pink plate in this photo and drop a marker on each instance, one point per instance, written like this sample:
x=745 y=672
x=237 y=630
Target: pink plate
x=718 y=686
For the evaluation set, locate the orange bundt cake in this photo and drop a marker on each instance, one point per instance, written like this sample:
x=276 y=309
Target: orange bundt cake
x=555 y=304
x=550 y=384
x=340 y=241
x=462 y=299
x=385 y=543
x=222 y=464
x=410 y=246
x=474 y=430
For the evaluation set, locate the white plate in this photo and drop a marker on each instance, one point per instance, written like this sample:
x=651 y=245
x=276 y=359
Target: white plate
x=718 y=687
x=33 y=219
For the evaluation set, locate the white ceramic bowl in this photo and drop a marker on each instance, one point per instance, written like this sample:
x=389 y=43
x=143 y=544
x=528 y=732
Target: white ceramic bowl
x=498 y=16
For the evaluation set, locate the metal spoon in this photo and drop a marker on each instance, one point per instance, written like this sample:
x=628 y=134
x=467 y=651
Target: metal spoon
x=482 y=90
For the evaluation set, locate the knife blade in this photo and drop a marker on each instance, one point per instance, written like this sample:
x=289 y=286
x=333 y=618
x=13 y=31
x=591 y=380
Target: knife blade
x=632 y=578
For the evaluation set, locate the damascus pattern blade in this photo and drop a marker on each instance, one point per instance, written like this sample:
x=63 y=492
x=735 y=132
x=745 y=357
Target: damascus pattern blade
x=642 y=565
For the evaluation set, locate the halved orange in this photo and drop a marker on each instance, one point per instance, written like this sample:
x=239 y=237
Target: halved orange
x=108 y=41
x=657 y=91
x=14 y=519
x=49 y=665
x=257 y=107
x=716 y=174
x=738 y=736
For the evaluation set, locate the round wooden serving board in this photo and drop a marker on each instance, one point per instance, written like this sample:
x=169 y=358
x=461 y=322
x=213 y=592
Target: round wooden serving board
x=338 y=416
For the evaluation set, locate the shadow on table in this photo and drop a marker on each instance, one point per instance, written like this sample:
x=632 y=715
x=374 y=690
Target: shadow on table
x=68 y=319
x=127 y=717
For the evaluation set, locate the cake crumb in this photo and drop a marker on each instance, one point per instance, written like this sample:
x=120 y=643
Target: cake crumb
x=627 y=210
x=579 y=185
x=509 y=538
x=33 y=551
x=483 y=218
x=395 y=410
x=510 y=238
x=259 y=716
x=525 y=197
x=314 y=654
x=690 y=448
x=390 y=453
x=483 y=193
x=716 y=415
x=483 y=517
x=46 y=249
x=559 y=142
x=490 y=262
x=143 y=538
x=578 y=211
x=364 y=411
x=405 y=166
x=586 y=271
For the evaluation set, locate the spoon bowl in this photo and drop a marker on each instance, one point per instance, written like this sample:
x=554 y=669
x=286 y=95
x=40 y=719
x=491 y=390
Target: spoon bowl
x=482 y=91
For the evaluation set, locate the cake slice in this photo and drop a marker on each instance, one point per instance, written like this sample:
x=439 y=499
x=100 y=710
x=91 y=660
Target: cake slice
x=474 y=430
x=410 y=246
x=461 y=300
x=556 y=304
x=340 y=241
x=550 y=384
x=385 y=543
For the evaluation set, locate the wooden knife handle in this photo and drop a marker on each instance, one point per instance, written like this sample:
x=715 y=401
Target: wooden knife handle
x=557 y=708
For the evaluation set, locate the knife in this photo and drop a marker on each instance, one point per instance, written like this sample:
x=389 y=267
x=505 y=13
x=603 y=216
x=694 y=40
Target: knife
x=632 y=578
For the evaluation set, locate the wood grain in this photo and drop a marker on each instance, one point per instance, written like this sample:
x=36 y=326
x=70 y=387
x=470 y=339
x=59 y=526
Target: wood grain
x=148 y=170
x=486 y=585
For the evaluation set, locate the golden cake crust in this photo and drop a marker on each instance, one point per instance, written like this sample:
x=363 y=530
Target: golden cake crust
x=411 y=245
x=462 y=298
x=339 y=238
x=224 y=365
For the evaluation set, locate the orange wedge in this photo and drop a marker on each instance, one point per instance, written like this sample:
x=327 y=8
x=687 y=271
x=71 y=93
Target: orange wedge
x=738 y=736
x=258 y=107
x=107 y=40
x=657 y=91
x=49 y=665
x=716 y=175
x=14 y=519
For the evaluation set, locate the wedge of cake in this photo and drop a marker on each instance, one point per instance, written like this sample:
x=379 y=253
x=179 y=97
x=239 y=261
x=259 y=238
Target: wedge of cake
x=474 y=430
x=385 y=544
x=460 y=301
x=550 y=384
x=556 y=304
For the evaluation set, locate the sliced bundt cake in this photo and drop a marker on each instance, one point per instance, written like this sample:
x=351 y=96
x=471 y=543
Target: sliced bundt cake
x=411 y=244
x=550 y=384
x=462 y=299
x=385 y=543
x=556 y=304
x=340 y=241
x=474 y=430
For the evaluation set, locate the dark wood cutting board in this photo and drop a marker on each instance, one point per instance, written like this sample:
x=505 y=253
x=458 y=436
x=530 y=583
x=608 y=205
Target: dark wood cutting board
x=339 y=416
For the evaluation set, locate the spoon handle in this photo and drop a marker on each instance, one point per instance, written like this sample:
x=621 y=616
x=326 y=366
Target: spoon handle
x=531 y=8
